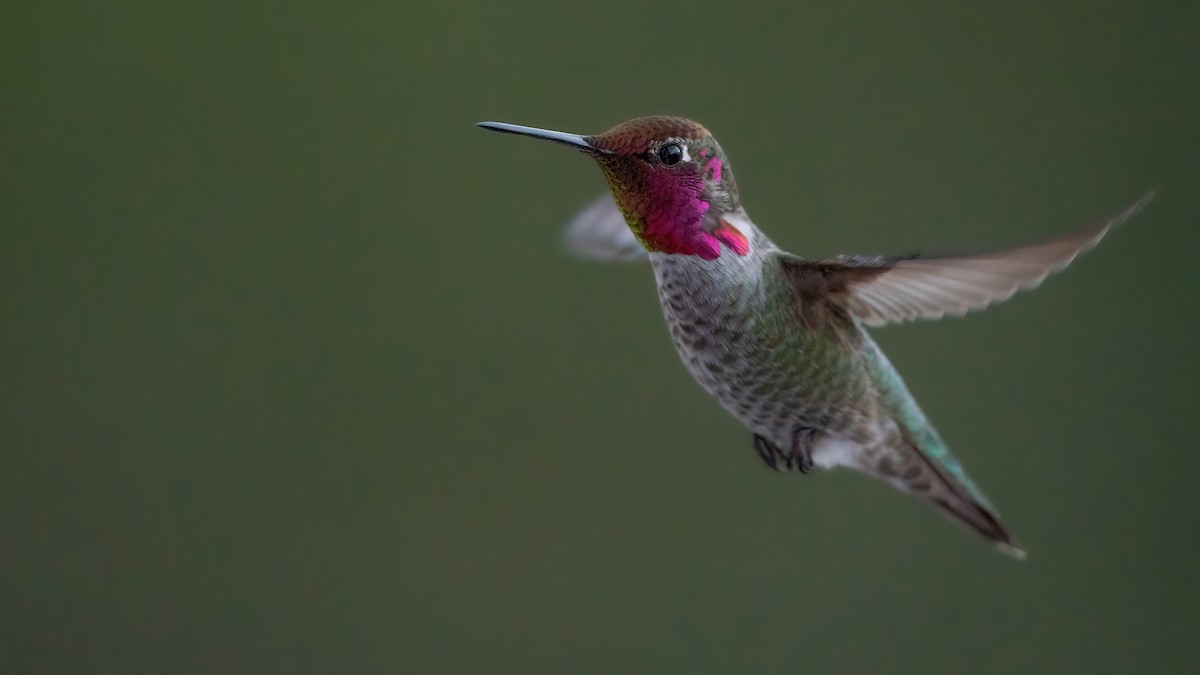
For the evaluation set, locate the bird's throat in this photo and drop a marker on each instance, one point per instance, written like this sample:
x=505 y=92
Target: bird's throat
x=681 y=221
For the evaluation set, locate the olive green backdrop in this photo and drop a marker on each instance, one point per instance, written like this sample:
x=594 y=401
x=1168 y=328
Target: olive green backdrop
x=296 y=378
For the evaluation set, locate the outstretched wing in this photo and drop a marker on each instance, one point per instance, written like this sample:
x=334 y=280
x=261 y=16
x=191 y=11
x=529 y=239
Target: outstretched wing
x=599 y=232
x=878 y=290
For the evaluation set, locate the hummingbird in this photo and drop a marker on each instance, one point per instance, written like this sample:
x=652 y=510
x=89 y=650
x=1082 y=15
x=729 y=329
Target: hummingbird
x=780 y=340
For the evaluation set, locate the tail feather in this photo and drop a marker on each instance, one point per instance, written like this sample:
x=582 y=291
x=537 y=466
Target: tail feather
x=927 y=479
x=914 y=459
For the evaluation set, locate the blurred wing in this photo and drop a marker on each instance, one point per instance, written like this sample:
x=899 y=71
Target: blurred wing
x=599 y=232
x=879 y=291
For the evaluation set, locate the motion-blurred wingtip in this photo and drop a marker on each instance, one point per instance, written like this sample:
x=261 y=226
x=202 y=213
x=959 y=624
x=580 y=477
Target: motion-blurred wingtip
x=1142 y=202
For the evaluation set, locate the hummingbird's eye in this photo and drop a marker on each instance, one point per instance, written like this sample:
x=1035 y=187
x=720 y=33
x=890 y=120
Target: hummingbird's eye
x=670 y=154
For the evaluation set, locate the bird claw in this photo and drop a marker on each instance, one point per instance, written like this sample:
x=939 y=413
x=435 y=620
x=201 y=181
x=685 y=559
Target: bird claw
x=767 y=451
x=800 y=457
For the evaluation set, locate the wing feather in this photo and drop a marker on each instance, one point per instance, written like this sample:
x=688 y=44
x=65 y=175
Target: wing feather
x=599 y=232
x=879 y=290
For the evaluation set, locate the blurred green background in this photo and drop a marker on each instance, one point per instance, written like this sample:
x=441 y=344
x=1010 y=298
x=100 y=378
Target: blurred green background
x=296 y=377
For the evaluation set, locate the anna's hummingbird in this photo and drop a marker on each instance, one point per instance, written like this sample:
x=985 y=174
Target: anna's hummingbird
x=778 y=339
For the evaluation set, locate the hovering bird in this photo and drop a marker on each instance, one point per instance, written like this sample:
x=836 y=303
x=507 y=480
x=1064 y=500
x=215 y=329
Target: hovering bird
x=780 y=340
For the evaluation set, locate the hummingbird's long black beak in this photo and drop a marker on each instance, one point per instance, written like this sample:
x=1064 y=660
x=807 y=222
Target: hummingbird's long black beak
x=574 y=140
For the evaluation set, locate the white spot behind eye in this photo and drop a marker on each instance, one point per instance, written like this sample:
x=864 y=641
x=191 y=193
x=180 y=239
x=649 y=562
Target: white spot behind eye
x=686 y=157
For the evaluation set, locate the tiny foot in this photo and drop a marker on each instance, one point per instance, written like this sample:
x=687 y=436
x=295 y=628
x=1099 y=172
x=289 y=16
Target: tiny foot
x=768 y=452
x=800 y=457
